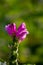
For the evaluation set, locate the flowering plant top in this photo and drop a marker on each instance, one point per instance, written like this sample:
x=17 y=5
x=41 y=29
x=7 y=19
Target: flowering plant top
x=19 y=34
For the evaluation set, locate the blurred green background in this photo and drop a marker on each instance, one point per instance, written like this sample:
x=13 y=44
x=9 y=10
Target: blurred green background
x=30 y=12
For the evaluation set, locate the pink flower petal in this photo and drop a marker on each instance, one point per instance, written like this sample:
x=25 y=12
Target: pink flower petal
x=11 y=28
x=22 y=31
x=21 y=27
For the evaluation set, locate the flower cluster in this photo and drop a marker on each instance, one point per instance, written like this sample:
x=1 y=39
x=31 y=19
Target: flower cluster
x=20 y=33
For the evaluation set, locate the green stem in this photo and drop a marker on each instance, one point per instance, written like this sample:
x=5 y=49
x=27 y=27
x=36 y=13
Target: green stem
x=14 y=54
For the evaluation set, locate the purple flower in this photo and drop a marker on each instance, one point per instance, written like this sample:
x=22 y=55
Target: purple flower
x=20 y=33
x=11 y=29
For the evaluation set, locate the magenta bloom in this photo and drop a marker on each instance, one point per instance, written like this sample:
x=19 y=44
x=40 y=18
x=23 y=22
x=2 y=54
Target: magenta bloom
x=20 y=33
x=11 y=29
